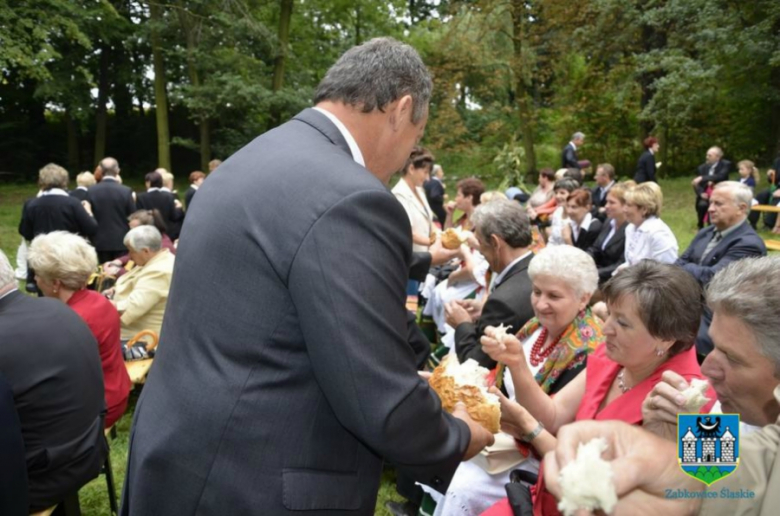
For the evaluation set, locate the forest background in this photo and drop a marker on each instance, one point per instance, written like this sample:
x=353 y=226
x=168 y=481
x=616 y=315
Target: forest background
x=179 y=82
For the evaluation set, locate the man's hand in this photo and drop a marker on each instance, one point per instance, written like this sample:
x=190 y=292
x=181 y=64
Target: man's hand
x=455 y=315
x=440 y=254
x=473 y=307
x=696 y=180
x=480 y=438
x=662 y=404
x=87 y=207
x=644 y=467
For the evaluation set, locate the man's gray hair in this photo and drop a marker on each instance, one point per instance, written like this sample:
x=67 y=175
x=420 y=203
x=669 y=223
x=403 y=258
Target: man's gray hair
x=6 y=272
x=577 y=136
x=109 y=166
x=741 y=194
x=504 y=218
x=372 y=75
x=749 y=290
x=143 y=237
x=568 y=263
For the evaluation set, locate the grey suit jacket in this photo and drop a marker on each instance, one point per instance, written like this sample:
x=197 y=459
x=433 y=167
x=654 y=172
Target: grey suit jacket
x=283 y=375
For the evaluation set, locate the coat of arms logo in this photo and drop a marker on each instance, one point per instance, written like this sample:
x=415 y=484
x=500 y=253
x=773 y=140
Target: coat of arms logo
x=708 y=445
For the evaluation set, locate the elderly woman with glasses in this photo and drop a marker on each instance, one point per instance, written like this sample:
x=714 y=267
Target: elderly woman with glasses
x=63 y=263
x=654 y=314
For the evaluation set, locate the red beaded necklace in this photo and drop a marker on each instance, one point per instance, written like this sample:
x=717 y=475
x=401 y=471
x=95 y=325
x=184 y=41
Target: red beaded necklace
x=537 y=355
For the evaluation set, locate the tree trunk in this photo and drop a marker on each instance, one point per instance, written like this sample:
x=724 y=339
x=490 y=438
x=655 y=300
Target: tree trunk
x=101 y=118
x=525 y=107
x=284 y=38
x=357 y=25
x=73 y=144
x=773 y=145
x=161 y=100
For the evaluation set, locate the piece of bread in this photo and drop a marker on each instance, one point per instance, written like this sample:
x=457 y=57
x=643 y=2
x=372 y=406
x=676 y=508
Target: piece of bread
x=587 y=481
x=694 y=395
x=451 y=239
x=467 y=383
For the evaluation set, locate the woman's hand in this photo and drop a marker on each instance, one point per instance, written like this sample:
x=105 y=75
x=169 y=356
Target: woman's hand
x=662 y=404
x=515 y=419
x=508 y=350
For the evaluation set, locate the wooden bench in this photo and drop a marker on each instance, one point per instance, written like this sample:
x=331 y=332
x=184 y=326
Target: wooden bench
x=766 y=208
x=772 y=245
x=47 y=512
x=138 y=369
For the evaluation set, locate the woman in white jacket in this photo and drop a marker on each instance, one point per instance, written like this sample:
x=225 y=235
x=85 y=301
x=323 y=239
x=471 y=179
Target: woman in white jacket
x=647 y=236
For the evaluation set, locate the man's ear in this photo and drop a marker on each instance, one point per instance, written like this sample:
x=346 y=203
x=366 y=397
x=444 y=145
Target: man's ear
x=401 y=110
x=494 y=241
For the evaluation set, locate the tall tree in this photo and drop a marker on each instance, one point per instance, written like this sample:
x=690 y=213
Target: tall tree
x=160 y=86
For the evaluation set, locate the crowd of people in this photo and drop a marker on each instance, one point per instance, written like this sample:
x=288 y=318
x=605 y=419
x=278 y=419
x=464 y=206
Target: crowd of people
x=289 y=367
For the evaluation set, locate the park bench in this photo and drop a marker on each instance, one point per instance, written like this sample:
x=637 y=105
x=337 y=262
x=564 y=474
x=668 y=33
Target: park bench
x=771 y=244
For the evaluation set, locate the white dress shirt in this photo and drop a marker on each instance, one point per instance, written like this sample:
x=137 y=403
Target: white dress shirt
x=575 y=229
x=353 y=146
x=652 y=239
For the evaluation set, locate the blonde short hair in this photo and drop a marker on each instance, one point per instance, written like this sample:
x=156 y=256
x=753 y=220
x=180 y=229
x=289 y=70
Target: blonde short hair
x=491 y=195
x=86 y=179
x=63 y=256
x=52 y=176
x=647 y=196
x=167 y=178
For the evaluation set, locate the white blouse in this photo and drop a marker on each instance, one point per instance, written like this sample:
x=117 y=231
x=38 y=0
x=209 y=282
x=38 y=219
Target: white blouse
x=420 y=214
x=652 y=239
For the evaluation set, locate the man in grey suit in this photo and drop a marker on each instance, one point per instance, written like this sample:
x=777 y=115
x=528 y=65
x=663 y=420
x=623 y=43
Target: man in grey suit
x=283 y=376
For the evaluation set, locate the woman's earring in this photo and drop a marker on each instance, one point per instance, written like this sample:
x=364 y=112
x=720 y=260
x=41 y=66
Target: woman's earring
x=660 y=352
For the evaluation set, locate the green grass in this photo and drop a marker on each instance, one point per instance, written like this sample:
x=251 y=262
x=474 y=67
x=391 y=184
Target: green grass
x=678 y=213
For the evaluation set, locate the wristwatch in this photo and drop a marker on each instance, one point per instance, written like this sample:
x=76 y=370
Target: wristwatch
x=533 y=434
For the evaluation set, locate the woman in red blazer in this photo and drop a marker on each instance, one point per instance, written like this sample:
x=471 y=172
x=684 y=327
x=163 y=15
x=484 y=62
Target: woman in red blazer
x=63 y=263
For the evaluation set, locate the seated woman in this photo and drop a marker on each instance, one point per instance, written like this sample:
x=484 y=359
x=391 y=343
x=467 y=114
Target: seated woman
x=556 y=342
x=609 y=249
x=654 y=315
x=559 y=218
x=583 y=228
x=63 y=263
x=647 y=236
x=140 y=218
x=544 y=191
x=469 y=279
x=141 y=294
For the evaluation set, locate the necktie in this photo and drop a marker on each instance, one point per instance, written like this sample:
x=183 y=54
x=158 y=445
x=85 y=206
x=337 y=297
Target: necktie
x=717 y=236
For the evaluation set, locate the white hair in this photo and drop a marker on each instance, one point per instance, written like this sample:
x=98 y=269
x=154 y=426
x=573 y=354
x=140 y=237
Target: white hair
x=63 y=256
x=741 y=194
x=6 y=272
x=570 y=264
x=143 y=237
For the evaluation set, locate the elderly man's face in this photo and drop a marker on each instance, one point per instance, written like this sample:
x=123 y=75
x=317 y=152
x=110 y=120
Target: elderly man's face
x=724 y=212
x=742 y=377
x=713 y=156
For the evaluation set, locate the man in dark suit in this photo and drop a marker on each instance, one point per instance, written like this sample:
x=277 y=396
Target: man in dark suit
x=605 y=180
x=111 y=203
x=729 y=238
x=155 y=198
x=608 y=251
x=569 y=153
x=504 y=235
x=50 y=359
x=434 y=191
x=284 y=377
x=713 y=171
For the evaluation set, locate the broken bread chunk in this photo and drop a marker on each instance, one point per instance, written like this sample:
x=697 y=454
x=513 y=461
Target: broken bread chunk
x=694 y=395
x=586 y=482
x=467 y=383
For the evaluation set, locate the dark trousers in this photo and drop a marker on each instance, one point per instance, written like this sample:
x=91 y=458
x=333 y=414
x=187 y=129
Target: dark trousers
x=701 y=210
x=769 y=218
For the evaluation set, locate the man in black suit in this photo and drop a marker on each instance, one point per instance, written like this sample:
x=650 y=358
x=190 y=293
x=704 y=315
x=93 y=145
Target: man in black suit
x=608 y=251
x=504 y=234
x=713 y=171
x=434 y=191
x=299 y=328
x=605 y=180
x=50 y=359
x=155 y=198
x=111 y=203
x=729 y=238
x=569 y=154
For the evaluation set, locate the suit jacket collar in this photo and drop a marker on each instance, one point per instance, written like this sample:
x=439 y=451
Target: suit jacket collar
x=9 y=299
x=738 y=232
x=517 y=268
x=321 y=123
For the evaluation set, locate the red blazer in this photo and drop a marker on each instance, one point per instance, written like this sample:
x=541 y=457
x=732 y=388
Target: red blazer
x=103 y=320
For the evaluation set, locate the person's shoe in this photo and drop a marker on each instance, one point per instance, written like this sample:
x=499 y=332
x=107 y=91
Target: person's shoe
x=402 y=508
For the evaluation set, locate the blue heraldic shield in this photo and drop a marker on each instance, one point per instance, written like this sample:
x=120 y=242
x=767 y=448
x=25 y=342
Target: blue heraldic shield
x=708 y=445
